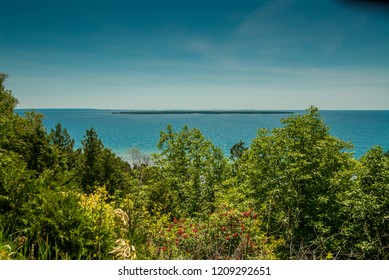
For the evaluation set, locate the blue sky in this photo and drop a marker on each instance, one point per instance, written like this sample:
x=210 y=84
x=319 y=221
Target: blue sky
x=280 y=54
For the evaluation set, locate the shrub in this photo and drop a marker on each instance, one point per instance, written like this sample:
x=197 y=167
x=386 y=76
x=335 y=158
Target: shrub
x=226 y=234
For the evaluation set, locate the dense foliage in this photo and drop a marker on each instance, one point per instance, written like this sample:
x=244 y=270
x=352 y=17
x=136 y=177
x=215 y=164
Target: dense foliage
x=295 y=192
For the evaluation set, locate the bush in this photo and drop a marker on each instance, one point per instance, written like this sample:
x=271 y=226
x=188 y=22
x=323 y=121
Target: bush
x=227 y=234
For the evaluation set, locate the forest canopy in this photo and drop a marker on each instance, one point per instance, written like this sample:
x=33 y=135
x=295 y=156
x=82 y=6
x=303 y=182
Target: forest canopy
x=294 y=192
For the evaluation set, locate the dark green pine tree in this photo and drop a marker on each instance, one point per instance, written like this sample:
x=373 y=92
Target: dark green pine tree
x=92 y=148
x=61 y=138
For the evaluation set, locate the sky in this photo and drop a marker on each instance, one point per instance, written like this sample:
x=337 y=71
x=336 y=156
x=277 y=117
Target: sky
x=222 y=54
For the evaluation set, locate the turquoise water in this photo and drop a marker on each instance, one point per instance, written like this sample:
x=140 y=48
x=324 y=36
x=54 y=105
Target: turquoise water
x=120 y=132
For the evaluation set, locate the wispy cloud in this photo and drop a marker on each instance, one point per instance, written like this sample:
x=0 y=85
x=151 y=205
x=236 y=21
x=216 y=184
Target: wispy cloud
x=260 y=21
x=287 y=26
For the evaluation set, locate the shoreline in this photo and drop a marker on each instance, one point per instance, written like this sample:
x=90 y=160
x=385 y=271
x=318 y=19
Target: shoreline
x=215 y=112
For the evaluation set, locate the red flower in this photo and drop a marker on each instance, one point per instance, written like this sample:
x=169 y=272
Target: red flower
x=246 y=214
x=185 y=236
x=195 y=230
x=223 y=228
x=227 y=237
x=235 y=234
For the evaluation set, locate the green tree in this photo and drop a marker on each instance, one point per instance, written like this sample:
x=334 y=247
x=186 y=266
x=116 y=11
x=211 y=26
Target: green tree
x=7 y=101
x=293 y=173
x=237 y=150
x=24 y=135
x=374 y=226
x=61 y=141
x=191 y=168
x=92 y=149
x=101 y=167
x=38 y=153
x=7 y=106
x=115 y=173
x=16 y=183
x=61 y=138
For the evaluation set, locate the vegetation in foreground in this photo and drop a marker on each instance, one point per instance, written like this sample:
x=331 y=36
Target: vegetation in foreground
x=294 y=193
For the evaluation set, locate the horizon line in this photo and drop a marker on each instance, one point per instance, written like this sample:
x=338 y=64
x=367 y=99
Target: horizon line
x=188 y=110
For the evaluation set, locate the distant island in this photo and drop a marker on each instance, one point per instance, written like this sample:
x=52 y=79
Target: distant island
x=149 y=112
